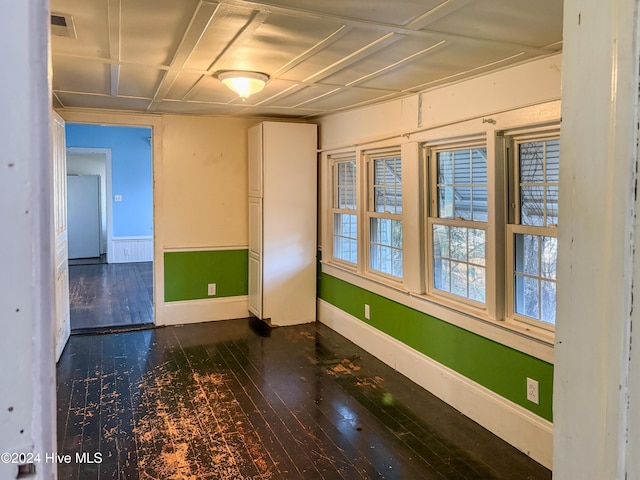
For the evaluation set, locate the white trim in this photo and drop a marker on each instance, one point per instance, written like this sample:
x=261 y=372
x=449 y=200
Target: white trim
x=527 y=339
x=131 y=249
x=518 y=426
x=155 y=122
x=526 y=116
x=217 y=248
x=205 y=310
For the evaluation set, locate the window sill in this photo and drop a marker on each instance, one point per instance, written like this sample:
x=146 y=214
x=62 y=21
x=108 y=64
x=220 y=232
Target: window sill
x=528 y=339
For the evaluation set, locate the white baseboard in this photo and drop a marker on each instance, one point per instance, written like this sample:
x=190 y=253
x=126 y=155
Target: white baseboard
x=516 y=425
x=131 y=249
x=206 y=310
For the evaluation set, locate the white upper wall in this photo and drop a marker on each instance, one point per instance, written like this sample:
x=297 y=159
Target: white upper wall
x=204 y=181
x=527 y=84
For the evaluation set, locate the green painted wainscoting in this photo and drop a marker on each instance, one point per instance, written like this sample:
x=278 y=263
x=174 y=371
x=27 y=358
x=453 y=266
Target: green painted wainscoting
x=501 y=369
x=187 y=274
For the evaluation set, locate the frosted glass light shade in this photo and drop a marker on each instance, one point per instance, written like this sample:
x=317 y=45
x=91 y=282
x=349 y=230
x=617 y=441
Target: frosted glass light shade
x=244 y=83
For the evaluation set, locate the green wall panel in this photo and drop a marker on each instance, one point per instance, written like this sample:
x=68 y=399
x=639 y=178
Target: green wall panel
x=493 y=365
x=187 y=274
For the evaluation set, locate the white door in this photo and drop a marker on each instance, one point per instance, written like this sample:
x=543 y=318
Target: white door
x=83 y=215
x=61 y=269
x=255 y=256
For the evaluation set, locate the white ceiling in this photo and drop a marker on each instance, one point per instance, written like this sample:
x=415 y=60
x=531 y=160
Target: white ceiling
x=323 y=56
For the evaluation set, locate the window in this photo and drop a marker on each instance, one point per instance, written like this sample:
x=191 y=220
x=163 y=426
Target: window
x=533 y=230
x=458 y=222
x=345 y=217
x=384 y=214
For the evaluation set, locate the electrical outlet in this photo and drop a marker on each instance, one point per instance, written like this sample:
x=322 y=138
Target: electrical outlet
x=117 y=198
x=367 y=312
x=211 y=290
x=532 y=391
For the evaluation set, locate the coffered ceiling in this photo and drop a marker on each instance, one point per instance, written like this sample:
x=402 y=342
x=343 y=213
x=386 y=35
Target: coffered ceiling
x=161 y=56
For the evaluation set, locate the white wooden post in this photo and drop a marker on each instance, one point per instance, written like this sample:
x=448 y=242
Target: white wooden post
x=596 y=242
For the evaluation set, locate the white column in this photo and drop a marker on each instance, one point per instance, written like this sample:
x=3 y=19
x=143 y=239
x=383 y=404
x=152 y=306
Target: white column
x=596 y=241
x=27 y=396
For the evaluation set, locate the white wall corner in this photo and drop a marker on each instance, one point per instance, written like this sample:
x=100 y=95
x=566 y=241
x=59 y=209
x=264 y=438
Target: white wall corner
x=516 y=425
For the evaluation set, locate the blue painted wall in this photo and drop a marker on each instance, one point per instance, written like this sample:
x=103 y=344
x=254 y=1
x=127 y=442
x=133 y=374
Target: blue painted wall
x=131 y=173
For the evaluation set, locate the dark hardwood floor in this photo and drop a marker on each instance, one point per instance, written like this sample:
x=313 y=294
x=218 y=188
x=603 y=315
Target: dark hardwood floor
x=110 y=295
x=237 y=400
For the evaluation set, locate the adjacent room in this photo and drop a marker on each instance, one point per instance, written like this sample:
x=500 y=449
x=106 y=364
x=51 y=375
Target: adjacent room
x=110 y=242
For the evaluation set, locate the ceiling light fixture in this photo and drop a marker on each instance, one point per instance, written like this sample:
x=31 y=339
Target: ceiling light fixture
x=243 y=83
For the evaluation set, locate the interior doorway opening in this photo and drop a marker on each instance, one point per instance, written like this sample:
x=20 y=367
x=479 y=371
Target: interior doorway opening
x=110 y=208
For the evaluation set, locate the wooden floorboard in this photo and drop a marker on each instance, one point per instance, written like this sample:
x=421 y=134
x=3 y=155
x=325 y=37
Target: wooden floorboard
x=110 y=295
x=224 y=400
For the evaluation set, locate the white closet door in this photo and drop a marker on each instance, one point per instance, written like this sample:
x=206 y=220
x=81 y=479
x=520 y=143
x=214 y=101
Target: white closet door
x=255 y=285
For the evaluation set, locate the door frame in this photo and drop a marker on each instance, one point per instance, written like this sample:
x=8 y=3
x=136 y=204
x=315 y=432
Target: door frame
x=108 y=190
x=155 y=123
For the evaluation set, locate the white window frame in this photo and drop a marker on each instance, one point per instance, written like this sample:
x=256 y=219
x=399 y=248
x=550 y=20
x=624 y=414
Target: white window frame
x=431 y=152
x=335 y=160
x=515 y=228
x=369 y=213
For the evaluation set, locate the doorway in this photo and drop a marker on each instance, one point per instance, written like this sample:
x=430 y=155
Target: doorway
x=85 y=167
x=110 y=191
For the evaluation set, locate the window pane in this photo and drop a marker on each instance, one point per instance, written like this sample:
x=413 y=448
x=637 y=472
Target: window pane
x=379 y=200
x=531 y=162
x=441 y=270
x=477 y=283
x=346 y=187
x=398 y=200
x=345 y=237
x=462 y=167
x=535 y=293
x=386 y=246
x=477 y=246
x=375 y=260
x=445 y=168
x=479 y=204
x=458 y=261
x=459 y=243
x=347 y=173
x=548 y=302
x=347 y=198
x=539 y=167
x=479 y=165
x=387 y=185
x=445 y=202
x=532 y=206
x=526 y=296
x=548 y=257
x=440 y=241
x=553 y=161
x=462 y=201
x=345 y=225
x=527 y=254
x=459 y=278
x=535 y=255
x=396 y=263
x=552 y=206
x=396 y=233
x=461 y=187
